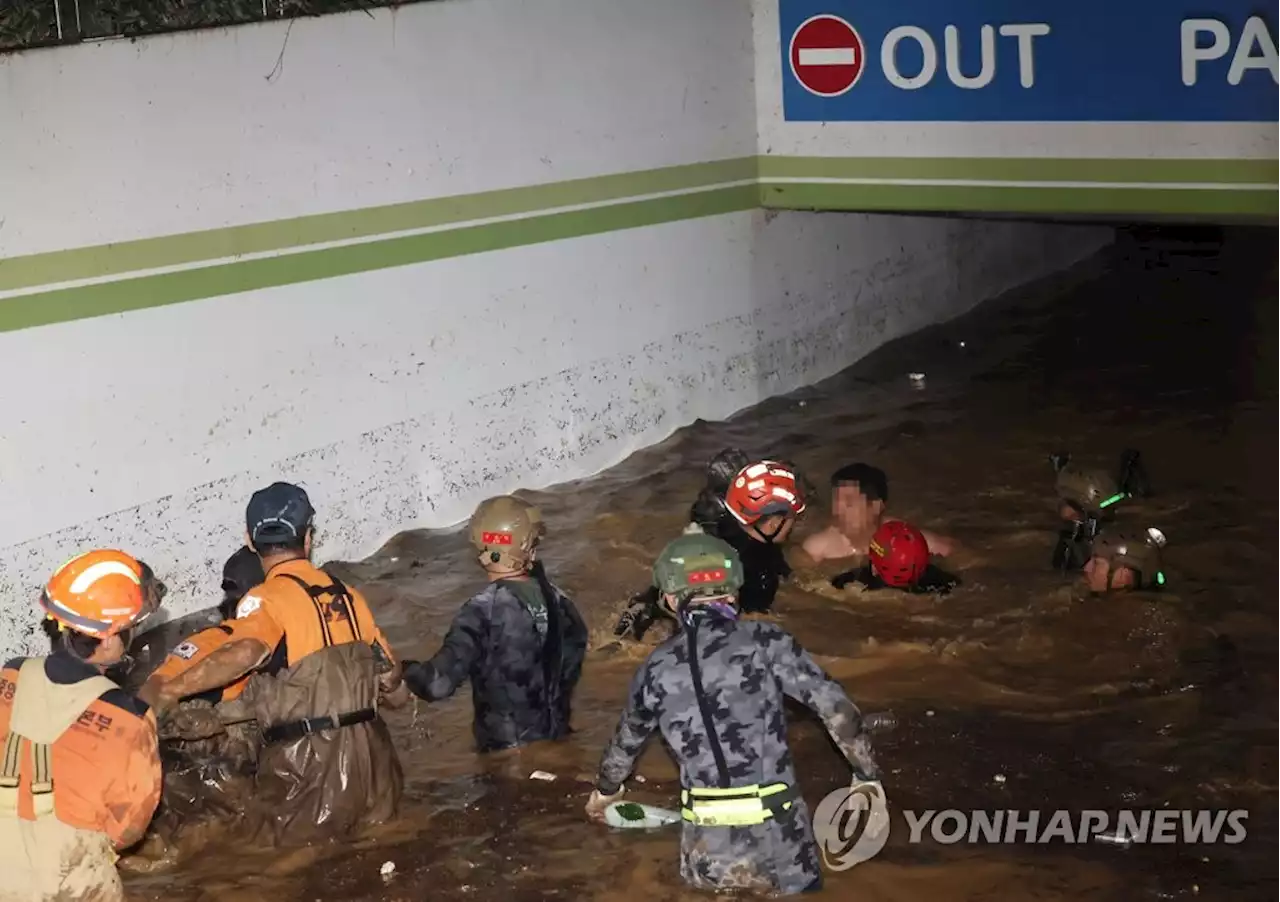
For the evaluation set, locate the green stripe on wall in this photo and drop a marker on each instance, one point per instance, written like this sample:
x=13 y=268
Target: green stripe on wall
x=619 y=210
x=1118 y=202
x=215 y=244
x=60 y=305
x=1029 y=169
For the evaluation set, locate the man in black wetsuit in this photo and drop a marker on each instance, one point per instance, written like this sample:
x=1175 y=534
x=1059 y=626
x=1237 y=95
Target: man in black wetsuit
x=753 y=506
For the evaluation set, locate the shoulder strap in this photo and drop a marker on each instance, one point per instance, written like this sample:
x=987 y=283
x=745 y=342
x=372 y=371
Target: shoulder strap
x=341 y=603
x=42 y=712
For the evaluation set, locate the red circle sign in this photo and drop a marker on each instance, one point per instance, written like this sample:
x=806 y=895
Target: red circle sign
x=827 y=55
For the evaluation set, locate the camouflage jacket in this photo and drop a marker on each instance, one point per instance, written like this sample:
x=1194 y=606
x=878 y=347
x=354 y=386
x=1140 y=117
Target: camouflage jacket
x=735 y=735
x=521 y=676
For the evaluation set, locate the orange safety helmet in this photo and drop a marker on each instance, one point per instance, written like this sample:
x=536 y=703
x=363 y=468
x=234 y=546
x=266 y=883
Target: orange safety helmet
x=99 y=593
x=763 y=489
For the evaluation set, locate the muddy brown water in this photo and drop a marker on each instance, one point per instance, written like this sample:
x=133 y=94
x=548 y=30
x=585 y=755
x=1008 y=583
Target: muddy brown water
x=1018 y=691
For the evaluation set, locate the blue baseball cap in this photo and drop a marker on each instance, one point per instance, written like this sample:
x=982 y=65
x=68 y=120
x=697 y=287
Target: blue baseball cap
x=279 y=514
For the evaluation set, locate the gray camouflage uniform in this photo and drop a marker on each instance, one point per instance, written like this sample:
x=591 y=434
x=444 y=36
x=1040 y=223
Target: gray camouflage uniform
x=745 y=668
x=521 y=644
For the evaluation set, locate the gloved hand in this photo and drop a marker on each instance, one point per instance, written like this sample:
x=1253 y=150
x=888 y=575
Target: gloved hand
x=189 y=722
x=868 y=796
x=597 y=803
x=862 y=760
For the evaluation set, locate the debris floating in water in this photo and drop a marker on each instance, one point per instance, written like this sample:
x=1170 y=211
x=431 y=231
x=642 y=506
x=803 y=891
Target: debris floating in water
x=542 y=775
x=1116 y=838
x=388 y=868
x=917 y=379
x=880 y=722
x=639 y=778
x=999 y=778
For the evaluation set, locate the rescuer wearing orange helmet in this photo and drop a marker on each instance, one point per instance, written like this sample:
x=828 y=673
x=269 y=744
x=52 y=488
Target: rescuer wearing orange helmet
x=753 y=506
x=81 y=766
x=319 y=667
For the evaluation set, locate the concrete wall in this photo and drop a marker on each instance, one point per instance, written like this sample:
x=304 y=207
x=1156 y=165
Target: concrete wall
x=352 y=253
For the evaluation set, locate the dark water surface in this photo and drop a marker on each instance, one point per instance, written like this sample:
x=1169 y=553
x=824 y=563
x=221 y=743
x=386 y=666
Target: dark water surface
x=1018 y=691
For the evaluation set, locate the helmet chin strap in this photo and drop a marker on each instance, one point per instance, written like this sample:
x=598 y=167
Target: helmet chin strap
x=692 y=607
x=769 y=537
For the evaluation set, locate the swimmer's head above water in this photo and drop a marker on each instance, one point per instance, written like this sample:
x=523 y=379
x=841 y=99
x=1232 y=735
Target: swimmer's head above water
x=859 y=495
x=1125 y=561
x=1091 y=493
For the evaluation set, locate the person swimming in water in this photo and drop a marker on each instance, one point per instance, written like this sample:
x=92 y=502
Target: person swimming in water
x=898 y=558
x=859 y=497
x=751 y=505
x=1125 y=561
x=1087 y=500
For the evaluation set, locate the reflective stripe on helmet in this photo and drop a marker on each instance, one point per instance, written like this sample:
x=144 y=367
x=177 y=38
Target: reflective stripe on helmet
x=94 y=572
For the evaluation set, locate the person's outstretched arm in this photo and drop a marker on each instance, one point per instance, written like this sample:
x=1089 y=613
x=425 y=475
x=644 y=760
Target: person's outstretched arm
x=636 y=725
x=462 y=648
x=802 y=679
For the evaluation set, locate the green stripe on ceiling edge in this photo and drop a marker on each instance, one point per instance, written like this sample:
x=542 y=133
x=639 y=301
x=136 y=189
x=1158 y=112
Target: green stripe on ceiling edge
x=218 y=244
x=64 y=304
x=943 y=199
x=1023 y=169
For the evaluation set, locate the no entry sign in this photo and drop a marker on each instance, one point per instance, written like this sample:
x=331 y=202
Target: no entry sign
x=827 y=55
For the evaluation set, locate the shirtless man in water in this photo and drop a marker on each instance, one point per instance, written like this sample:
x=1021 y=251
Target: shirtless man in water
x=859 y=494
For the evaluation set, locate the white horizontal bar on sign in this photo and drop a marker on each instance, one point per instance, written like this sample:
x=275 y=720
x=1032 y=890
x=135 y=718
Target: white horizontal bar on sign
x=1002 y=183
x=828 y=56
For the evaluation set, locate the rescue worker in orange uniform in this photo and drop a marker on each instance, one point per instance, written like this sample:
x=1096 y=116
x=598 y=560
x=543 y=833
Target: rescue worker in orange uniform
x=241 y=573
x=81 y=767
x=320 y=666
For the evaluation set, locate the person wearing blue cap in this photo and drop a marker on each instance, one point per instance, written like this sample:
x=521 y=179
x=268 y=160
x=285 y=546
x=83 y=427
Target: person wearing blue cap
x=320 y=667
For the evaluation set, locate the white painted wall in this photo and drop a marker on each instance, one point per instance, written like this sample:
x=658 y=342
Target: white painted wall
x=401 y=397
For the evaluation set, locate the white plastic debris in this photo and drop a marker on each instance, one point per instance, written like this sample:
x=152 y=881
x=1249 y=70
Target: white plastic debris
x=388 y=868
x=999 y=778
x=542 y=775
x=916 y=377
x=929 y=713
x=639 y=778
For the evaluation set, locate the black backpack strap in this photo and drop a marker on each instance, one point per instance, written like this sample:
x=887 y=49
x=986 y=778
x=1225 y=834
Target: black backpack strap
x=341 y=602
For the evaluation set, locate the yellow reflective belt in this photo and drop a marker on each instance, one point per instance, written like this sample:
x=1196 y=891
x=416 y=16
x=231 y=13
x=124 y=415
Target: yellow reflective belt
x=740 y=806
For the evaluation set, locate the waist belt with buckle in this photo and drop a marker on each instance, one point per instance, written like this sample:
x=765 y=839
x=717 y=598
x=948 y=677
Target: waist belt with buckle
x=741 y=806
x=296 y=729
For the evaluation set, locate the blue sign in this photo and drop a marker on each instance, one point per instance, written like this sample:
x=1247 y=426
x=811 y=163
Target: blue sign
x=1028 y=61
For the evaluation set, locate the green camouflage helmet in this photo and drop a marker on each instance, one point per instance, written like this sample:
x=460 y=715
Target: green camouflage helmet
x=697 y=564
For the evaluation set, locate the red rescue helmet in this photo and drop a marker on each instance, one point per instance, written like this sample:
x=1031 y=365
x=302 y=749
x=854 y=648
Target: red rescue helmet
x=763 y=489
x=899 y=554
